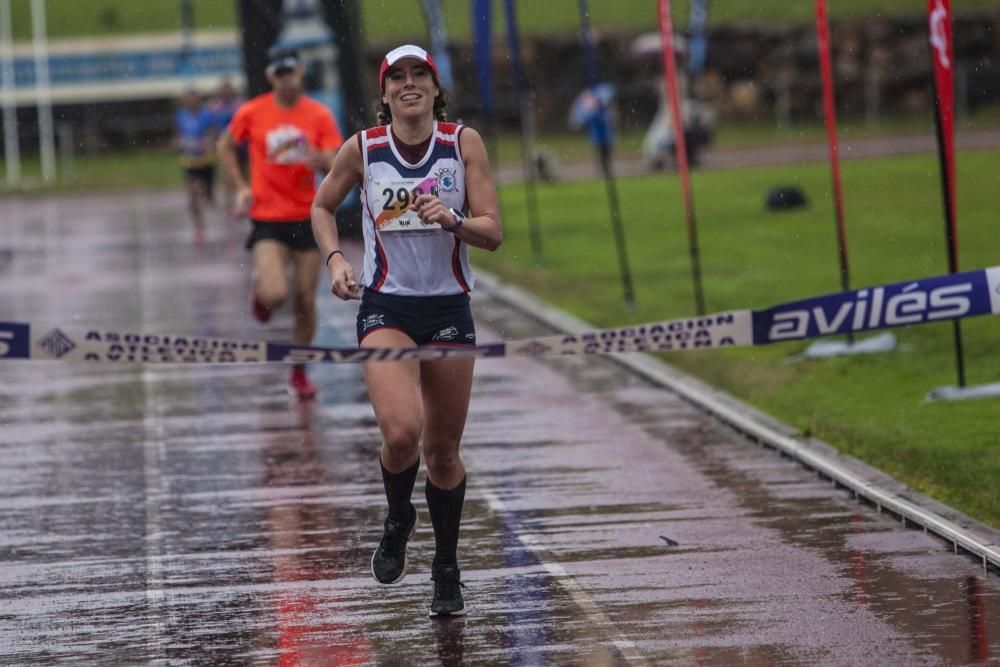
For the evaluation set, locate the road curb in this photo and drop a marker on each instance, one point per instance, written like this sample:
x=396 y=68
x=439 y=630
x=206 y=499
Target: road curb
x=964 y=534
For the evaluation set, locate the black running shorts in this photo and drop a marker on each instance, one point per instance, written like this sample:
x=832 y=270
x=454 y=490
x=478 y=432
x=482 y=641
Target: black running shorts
x=427 y=320
x=297 y=235
x=204 y=174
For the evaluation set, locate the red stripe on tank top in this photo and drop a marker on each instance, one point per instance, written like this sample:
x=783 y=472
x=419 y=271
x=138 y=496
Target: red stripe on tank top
x=384 y=261
x=381 y=262
x=456 y=266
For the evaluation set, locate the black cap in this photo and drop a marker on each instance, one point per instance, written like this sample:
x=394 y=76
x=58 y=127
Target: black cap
x=281 y=59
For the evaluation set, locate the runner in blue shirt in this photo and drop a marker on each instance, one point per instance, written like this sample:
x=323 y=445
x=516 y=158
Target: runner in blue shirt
x=196 y=133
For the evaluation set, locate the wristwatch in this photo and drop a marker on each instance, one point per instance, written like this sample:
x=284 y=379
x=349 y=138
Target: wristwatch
x=459 y=220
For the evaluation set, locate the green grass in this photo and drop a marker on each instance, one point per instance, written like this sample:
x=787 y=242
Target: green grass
x=158 y=167
x=869 y=407
x=749 y=134
x=108 y=171
x=71 y=18
x=397 y=19
x=569 y=147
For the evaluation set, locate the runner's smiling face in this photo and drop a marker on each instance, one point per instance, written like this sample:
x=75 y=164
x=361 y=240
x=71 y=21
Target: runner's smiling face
x=410 y=89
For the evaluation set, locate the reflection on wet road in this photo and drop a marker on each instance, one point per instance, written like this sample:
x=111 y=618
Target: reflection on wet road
x=172 y=514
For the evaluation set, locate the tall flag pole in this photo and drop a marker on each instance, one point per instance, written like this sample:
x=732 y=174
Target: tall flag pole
x=482 y=32
x=600 y=134
x=698 y=41
x=260 y=24
x=680 y=149
x=943 y=59
x=830 y=113
x=344 y=20
x=526 y=108
x=439 y=42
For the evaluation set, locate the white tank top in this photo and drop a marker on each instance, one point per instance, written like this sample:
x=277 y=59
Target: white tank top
x=402 y=255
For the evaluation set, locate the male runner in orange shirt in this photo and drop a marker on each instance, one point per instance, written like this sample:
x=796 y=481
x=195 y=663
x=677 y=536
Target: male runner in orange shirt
x=290 y=137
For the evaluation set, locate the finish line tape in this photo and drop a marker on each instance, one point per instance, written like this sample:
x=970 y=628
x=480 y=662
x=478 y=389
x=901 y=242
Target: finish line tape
x=934 y=299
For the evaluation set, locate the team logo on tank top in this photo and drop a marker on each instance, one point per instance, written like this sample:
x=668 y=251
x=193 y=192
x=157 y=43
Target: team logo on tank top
x=446 y=181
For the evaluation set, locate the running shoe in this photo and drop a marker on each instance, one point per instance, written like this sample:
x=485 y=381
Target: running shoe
x=299 y=385
x=389 y=562
x=447 y=592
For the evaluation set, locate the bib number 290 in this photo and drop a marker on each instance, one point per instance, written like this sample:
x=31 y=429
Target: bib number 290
x=400 y=198
x=397 y=197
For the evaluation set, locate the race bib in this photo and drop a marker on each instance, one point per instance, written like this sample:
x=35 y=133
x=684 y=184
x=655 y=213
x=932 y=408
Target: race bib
x=396 y=197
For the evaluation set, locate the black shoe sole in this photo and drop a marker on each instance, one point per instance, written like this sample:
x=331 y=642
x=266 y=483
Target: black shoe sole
x=454 y=614
x=406 y=558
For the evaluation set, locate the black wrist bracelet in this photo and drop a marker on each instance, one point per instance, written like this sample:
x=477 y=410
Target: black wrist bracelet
x=335 y=252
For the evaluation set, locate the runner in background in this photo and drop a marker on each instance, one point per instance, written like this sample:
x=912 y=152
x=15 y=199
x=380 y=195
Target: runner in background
x=195 y=136
x=427 y=194
x=290 y=138
x=223 y=107
x=224 y=104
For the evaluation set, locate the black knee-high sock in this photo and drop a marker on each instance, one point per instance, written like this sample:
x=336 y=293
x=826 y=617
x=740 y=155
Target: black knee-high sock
x=398 y=489
x=445 y=506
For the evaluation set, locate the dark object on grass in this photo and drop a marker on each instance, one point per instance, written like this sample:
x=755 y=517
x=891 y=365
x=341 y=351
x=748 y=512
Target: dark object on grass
x=785 y=197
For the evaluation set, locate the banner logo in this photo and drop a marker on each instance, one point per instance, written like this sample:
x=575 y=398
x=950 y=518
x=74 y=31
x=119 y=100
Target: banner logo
x=56 y=343
x=534 y=349
x=878 y=308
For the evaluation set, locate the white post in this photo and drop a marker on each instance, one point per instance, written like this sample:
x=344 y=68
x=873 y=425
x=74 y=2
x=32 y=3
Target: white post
x=11 y=150
x=43 y=92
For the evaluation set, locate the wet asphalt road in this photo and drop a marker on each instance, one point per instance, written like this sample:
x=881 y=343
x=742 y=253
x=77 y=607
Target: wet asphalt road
x=197 y=515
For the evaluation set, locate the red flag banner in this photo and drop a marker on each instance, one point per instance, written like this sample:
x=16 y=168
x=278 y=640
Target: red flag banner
x=943 y=60
x=830 y=114
x=680 y=146
x=673 y=94
x=943 y=63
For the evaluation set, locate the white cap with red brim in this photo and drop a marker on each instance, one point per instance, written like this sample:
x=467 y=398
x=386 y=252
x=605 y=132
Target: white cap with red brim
x=401 y=52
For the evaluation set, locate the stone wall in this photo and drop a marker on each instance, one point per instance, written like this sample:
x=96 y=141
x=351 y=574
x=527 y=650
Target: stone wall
x=755 y=71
